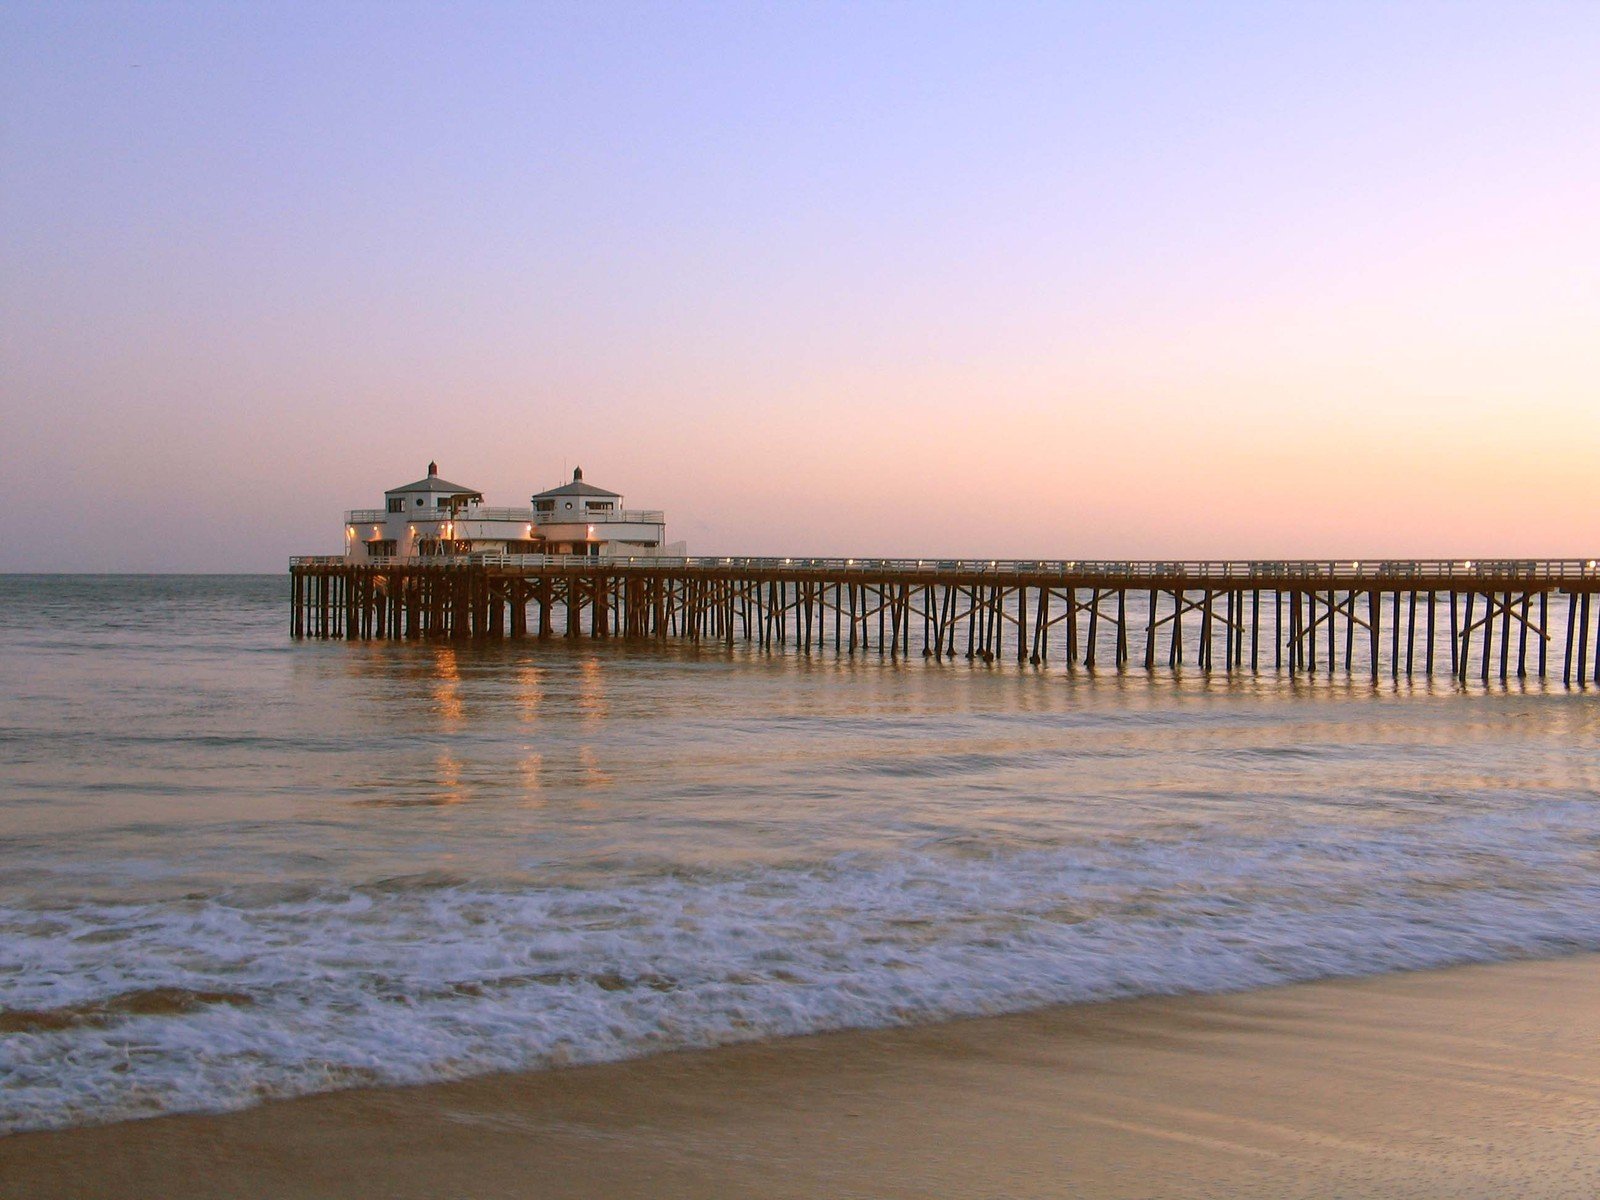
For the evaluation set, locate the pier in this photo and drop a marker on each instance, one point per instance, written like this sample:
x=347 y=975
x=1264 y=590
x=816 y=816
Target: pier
x=1497 y=619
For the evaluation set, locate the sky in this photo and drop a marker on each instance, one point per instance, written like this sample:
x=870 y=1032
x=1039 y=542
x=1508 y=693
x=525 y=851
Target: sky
x=1127 y=280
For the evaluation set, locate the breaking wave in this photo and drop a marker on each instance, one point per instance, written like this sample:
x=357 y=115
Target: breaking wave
x=110 y=1011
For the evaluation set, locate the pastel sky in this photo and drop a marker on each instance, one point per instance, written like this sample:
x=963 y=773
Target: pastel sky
x=1122 y=279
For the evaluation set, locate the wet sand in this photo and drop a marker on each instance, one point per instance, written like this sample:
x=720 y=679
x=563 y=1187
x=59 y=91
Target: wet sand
x=1474 y=1081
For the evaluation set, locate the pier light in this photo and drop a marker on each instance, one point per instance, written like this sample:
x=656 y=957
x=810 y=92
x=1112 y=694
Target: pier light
x=349 y=531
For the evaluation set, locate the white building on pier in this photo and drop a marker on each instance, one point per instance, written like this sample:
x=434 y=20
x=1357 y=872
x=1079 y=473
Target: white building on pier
x=434 y=517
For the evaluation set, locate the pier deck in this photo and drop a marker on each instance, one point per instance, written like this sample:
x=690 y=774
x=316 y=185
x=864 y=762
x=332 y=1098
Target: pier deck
x=1499 y=618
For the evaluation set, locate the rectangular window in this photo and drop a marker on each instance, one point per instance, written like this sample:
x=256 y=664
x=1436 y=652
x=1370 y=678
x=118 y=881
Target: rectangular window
x=397 y=504
x=544 y=506
x=382 y=548
x=599 y=506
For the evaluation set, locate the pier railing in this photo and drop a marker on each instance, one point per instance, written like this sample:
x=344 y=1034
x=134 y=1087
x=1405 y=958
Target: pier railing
x=1387 y=571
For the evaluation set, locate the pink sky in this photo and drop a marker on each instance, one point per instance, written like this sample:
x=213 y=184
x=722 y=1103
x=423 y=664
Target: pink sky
x=1076 y=281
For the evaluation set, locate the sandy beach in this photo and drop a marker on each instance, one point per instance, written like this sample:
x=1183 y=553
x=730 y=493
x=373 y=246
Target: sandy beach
x=1472 y=1081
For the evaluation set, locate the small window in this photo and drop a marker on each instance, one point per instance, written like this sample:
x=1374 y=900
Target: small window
x=382 y=548
x=443 y=547
x=599 y=506
x=419 y=501
x=397 y=504
x=544 y=506
x=569 y=503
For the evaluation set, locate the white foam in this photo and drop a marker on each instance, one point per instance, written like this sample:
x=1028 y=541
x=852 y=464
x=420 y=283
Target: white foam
x=396 y=984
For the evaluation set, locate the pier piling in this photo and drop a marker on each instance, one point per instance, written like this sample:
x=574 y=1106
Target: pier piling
x=1502 y=615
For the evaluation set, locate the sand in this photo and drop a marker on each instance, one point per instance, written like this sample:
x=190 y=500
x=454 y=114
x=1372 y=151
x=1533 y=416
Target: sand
x=1474 y=1081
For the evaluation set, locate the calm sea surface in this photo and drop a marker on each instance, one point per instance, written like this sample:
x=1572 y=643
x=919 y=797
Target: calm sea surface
x=234 y=867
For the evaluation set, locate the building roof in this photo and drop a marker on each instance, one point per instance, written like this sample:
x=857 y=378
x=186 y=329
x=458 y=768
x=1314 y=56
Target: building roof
x=577 y=488
x=434 y=484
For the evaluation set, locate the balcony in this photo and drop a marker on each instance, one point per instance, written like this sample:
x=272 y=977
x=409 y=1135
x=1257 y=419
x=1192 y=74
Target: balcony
x=376 y=516
x=576 y=516
x=624 y=516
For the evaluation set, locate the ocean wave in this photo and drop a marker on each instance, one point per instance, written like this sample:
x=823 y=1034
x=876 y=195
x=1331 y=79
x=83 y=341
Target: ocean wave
x=209 y=1002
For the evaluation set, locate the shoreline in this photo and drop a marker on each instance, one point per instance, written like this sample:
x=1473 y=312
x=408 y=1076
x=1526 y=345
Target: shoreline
x=1462 y=1081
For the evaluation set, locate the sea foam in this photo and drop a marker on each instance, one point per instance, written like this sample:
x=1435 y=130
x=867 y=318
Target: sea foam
x=214 y=1002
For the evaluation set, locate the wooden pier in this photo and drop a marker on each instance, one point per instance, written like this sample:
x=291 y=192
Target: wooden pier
x=1473 y=619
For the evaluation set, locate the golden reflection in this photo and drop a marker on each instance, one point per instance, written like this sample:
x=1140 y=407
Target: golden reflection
x=530 y=691
x=593 y=774
x=592 y=702
x=530 y=768
x=447 y=687
x=448 y=769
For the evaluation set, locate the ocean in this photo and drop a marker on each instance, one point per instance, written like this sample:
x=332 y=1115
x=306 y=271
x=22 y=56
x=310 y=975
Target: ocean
x=235 y=867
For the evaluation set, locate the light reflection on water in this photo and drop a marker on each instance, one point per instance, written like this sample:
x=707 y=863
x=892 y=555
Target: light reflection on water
x=408 y=861
x=172 y=723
